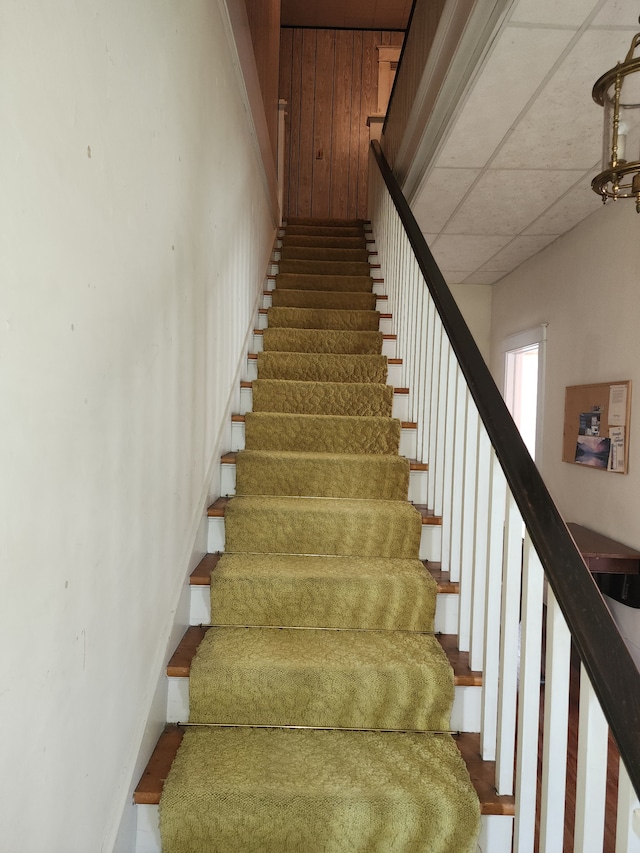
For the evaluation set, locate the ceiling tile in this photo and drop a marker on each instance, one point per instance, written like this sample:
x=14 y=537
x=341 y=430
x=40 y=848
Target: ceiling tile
x=439 y=196
x=506 y=83
x=564 y=125
x=572 y=208
x=455 y=277
x=619 y=13
x=517 y=251
x=469 y=253
x=484 y=277
x=506 y=202
x=570 y=13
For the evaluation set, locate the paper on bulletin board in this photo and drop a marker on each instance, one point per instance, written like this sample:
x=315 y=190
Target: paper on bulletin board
x=616 y=454
x=617 y=405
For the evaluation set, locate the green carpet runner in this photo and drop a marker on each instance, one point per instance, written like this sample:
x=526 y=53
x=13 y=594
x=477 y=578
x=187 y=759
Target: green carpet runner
x=322 y=613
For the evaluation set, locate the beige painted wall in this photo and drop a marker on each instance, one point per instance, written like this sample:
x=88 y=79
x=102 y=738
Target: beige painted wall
x=264 y=23
x=136 y=230
x=474 y=302
x=586 y=286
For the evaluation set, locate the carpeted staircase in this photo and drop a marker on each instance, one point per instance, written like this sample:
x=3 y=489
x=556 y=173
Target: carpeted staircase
x=322 y=695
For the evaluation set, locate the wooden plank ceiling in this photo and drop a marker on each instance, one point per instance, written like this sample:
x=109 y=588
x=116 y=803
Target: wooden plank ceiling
x=353 y=14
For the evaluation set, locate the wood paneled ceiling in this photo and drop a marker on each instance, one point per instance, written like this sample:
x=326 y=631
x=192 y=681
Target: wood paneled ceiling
x=354 y=14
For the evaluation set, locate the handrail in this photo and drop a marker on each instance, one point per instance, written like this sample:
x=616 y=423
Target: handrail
x=609 y=665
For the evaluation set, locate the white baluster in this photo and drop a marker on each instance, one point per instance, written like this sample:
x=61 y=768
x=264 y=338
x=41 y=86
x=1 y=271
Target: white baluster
x=591 y=786
x=441 y=426
x=628 y=818
x=508 y=680
x=450 y=430
x=433 y=392
x=468 y=526
x=529 y=700
x=458 y=480
x=556 y=714
x=483 y=482
x=491 y=667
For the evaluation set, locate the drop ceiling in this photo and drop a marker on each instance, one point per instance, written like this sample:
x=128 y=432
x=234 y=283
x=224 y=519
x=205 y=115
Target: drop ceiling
x=514 y=171
x=356 y=14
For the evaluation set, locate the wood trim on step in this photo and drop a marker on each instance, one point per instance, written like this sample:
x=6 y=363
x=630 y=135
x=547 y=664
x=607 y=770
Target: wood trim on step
x=217 y=509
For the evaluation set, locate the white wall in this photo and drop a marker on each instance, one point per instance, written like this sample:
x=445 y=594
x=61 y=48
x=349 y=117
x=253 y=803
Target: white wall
x=474 y=302
x=586 y=285
x=135 y=233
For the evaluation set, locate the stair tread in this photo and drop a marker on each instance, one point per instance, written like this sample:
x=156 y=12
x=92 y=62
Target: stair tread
x=443 y=579
x=248 y=384
x=340 y=310
x=385 y=337
x=239 y=419
x=201 y=575
x=482 y=773
x=229 y=458
x=179 y=665
x=218 y=507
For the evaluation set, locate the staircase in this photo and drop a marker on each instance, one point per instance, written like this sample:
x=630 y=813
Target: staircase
x=319 y=696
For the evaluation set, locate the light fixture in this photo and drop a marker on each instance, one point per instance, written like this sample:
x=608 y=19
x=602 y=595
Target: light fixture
x=618 y=91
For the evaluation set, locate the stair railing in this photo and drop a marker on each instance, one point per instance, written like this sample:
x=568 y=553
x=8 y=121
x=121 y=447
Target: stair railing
x=485 y=486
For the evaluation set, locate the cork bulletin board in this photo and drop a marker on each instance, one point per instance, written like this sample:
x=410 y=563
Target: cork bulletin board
x=596 y=426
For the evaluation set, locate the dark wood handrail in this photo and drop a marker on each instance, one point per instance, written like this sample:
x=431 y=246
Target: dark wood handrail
x=611 y=669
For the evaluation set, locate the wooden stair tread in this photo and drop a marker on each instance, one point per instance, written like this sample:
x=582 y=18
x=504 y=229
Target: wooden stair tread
x=253 y=356
x=381 y=296
x=482 y=773
x=217 y=508
x=239 y=419
x=201 y=575
x=248 y=383
x=389 y=337
x=179 y=665
x=443 y=579
x=382 y=316
x=230 y=459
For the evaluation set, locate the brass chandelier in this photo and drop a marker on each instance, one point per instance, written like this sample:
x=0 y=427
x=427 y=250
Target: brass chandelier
x=618 y=91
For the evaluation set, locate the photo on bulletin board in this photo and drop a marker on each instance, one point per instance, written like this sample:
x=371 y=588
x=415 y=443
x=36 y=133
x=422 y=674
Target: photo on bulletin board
x=596 y=426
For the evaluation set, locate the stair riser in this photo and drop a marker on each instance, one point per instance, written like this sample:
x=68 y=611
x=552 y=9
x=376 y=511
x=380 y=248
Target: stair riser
x=385 y=326
x=495 y=833
x=408 y=440
x=465 y=714
x=394 y=372
x=446 y=618
x=400 y=408
x=417 y=483
x=429 y=540
x=388 y=346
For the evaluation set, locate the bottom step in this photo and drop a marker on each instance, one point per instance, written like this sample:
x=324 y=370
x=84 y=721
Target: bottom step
x=497 y=812
x=278 y=790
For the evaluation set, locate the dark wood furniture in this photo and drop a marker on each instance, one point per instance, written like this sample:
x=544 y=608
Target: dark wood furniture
x=603 y=555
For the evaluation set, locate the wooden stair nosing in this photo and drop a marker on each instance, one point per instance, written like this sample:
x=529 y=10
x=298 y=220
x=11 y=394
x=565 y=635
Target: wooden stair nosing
x=217 y=509
x=385 y=337
x=179 y=665
x=253 y=356
x=201 y=575
x=382 y=316
x=229 y=458
x=247 y=383
x=239 y=419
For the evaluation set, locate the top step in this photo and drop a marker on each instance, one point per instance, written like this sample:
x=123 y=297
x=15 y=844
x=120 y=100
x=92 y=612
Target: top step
x=326 y=230
x=327 y=221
